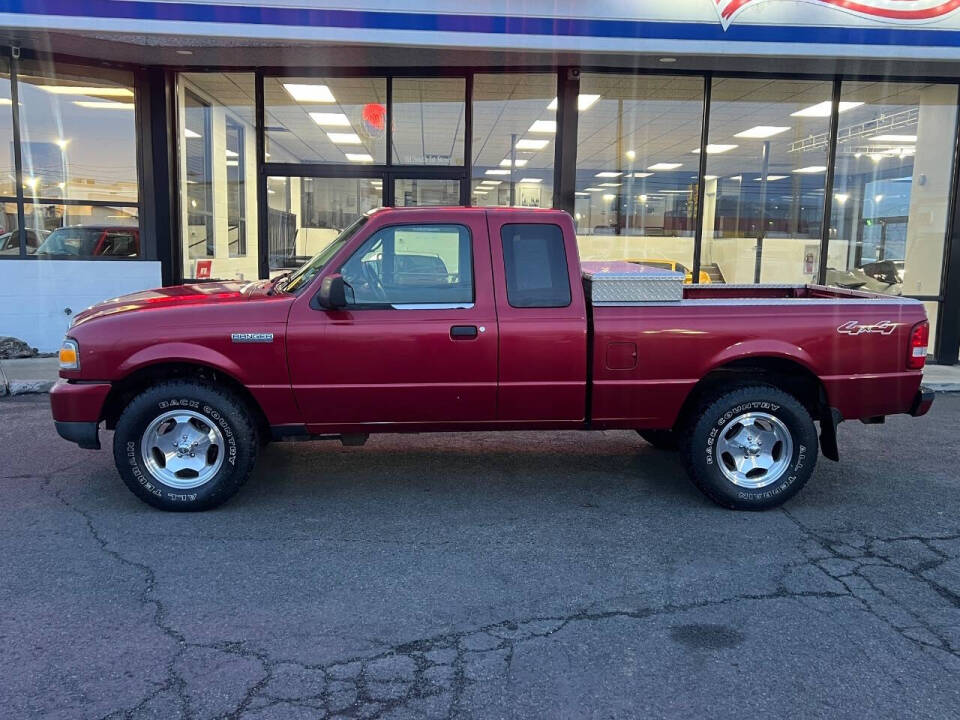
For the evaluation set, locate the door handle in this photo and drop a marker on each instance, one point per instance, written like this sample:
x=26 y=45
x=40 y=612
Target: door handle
x=463 y=332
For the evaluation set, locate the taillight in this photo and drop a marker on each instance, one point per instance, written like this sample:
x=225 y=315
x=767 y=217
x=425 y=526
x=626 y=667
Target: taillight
x=917 y=349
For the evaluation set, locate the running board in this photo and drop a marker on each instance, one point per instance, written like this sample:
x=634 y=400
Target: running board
x=298 y=433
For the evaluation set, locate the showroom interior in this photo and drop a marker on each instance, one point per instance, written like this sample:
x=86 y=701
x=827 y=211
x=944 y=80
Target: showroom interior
x=236 y=173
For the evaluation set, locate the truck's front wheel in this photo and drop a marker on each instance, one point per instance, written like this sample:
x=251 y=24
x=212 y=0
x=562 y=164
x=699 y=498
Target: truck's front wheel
x=751 y=448
x=185 y=445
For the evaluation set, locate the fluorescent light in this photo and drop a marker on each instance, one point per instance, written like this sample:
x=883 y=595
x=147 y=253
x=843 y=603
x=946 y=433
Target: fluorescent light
x=6 y=101
x=894 y=138
x=714 y=149
x=738 y=178
x=584 y=102
x=841 y=197
x=608 y=173
x=664 y=166
x=79 y=90
x=344 y=138
x=330 y=119
x=771 y=178
x=491 y=183
x=609 y=184
x=582 y=194
x=812 y=169
x=543 y=126
x=231 y=153
x=759 y=132
x=103 y=105
x=823 y=109
x=497 y=172
x=519 y=162
x=642 y=174
x=630 y=154
x=594 y=189
x=529 y=144
x=309 y=93
x=359 y=157
x=531 y=180
x=188 y=133
x=709 y=177
x=233 y=163
x=608 y=197
x=479 y=192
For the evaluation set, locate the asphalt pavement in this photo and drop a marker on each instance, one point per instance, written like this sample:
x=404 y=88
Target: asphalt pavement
x=518 y=575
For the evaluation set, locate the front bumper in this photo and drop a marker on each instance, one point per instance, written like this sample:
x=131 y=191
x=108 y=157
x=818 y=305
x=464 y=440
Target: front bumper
x=77 y=409
x=922 y=401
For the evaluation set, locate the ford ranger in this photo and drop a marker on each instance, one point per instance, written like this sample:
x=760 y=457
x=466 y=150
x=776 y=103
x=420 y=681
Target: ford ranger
x=473 y=319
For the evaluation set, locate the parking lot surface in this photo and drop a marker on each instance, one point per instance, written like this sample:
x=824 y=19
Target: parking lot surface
x=524 y=575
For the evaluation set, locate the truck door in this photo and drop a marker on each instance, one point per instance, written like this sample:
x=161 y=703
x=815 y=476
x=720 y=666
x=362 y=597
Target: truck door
x=417 y=343
x=542 y=315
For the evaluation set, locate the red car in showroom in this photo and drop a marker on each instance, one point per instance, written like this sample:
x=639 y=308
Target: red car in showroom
x=470 y=319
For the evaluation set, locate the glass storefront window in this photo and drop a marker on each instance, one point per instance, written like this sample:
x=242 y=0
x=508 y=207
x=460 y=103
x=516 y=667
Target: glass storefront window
x=514 y=127
x=637 y=167
x=765 y=179
x=416 y=192
x=326 y=120
x=68 y=115
x=305 y=214
x=892 y=185
x=428 y=121
x=218 y=176
x=9 y=239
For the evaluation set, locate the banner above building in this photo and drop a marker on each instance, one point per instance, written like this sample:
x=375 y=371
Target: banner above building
x=928 y=29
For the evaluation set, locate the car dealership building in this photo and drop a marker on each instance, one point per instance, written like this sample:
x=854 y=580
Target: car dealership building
x=778 y=141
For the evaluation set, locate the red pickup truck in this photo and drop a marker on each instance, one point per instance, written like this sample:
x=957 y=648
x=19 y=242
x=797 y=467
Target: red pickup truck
x=466 y=319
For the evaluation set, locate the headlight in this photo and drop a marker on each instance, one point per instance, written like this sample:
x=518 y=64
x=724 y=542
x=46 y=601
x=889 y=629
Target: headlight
x=69 y=355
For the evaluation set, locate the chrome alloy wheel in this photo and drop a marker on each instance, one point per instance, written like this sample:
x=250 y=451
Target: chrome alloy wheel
x=182 y=449
x=754 y=450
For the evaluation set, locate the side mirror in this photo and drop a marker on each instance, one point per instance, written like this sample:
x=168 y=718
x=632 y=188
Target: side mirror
x=333 y=293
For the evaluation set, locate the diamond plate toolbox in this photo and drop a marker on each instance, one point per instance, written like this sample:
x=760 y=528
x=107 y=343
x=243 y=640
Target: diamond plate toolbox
x=623 y=283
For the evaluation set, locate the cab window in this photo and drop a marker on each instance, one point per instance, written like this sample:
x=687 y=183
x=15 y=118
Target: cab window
x=411 y=265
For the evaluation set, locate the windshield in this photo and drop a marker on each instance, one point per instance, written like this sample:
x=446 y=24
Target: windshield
x=308 y=271
x=71 y=241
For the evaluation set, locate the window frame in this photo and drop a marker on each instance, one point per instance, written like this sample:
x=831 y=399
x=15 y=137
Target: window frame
x=463 y=229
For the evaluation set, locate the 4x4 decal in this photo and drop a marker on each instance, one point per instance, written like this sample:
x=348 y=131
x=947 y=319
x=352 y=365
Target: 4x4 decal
x=884 y=327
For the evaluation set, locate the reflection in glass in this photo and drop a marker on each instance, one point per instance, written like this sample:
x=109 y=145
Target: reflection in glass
x=326 y=120
x=765 y=180
x=637 y=167
x=892 y=187
x=514 y=126
x=82 y=231
x=218 y=188
x=416 y=192
x=306 y=214
x=428 y=121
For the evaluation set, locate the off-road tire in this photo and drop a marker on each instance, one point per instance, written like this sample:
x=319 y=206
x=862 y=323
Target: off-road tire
x=713 y=417
x=221 y=407
x=660 y=439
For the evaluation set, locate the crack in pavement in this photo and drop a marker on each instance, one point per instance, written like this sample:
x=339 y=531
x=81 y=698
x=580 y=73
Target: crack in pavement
x=430 y=675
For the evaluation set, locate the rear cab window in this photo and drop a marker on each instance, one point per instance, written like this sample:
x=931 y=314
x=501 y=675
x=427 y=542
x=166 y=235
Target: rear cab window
x=535 y=265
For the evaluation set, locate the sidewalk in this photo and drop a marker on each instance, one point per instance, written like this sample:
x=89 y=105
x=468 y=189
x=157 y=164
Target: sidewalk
x=38 y=375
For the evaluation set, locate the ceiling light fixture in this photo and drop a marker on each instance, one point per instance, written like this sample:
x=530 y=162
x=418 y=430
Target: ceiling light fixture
x=497 y=172
x=609 y=184
x=530 y=144
x=309 y=93
x=608 y=173
x=531 y=180
x=771 y=178
x=330 y=119
x=79 y=90
x=823 y=109
x=665 y=166
x=344 y=138
x=894 y=138
x=359 y=157
x=593 y=189
x=543 y=126
x=642 y=174
x=584 y=102
x=811 y=170
x=714 y=149
x=760 y=132
x=188 y=133
x=518 y=162
x=104 y=105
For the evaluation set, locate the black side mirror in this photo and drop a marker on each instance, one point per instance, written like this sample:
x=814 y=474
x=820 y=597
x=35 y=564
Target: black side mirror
x=333 y=293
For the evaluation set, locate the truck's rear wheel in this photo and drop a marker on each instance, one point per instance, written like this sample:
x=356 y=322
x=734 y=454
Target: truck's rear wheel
x=751 y=448
x=185 y=445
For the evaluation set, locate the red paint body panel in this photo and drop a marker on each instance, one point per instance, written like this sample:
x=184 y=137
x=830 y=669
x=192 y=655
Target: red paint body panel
x=400 y=370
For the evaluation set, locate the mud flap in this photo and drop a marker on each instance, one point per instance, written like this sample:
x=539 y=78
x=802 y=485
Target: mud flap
x=829 y=419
